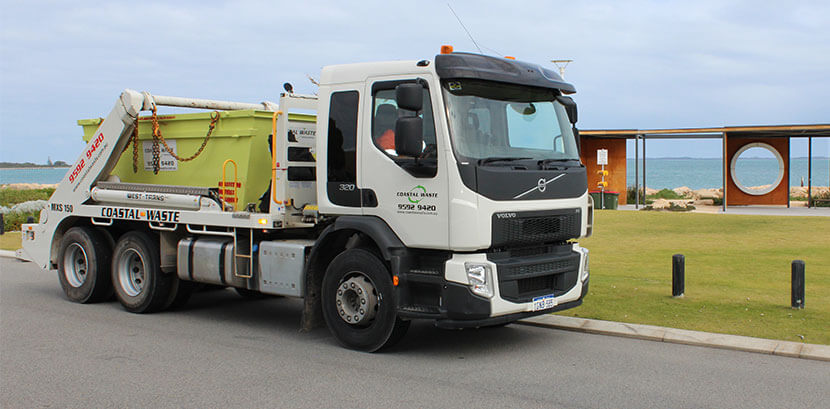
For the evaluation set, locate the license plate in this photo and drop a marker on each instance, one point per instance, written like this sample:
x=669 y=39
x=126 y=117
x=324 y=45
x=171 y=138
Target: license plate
x=544 y=302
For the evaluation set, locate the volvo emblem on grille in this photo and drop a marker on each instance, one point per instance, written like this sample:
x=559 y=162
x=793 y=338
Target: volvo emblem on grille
x=541 y=185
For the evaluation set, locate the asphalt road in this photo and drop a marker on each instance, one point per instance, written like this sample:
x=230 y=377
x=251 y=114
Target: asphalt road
x=224 y=351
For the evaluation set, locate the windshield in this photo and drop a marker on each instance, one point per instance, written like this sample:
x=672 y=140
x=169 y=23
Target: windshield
x=507 y=122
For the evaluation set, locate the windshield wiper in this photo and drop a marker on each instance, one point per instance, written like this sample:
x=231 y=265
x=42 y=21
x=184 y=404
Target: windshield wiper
x=501 y=159
x=545 y=162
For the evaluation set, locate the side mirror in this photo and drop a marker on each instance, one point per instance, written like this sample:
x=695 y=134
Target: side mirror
x=410 y=96
x=570 y=107
x=409 y=136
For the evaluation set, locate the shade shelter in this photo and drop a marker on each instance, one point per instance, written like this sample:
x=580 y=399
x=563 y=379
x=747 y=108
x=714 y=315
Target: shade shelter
x=735 y=140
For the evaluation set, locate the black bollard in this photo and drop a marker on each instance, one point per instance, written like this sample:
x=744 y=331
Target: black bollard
x=678 y=275
x=797 y=293
x=2 y=224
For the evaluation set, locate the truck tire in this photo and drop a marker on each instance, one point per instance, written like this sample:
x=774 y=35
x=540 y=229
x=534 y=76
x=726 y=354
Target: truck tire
x=139 y=283
x=83 y=265
x=249 y=294
x=358 y=302
x=180 y=293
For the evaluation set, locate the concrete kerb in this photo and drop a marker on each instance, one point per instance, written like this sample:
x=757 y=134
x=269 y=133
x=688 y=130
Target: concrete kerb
x=682 y=336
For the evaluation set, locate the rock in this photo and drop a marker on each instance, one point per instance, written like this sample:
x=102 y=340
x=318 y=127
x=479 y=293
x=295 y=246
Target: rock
x=798 y=191
x=650 y=191
x=30 y=206
x=709 y=193
x=686 y=192
x=660 y=204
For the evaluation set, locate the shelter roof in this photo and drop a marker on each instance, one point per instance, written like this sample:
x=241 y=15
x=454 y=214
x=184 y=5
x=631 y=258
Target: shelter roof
x=784 y=131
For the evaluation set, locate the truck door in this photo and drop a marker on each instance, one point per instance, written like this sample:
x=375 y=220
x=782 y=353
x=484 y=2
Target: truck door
x=408 y=193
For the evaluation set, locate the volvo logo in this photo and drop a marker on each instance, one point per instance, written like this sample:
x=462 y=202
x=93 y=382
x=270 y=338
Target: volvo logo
x=541 y=185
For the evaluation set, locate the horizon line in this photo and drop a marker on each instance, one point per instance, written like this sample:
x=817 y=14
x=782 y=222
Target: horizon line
x=718 y=157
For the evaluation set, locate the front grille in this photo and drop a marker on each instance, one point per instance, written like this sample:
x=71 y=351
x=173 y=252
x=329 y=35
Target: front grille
x=535 y=227
x=557 y=266
x=532 y=285
x=522 y=278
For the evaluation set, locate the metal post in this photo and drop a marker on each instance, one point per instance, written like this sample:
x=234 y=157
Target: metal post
x=2 y=224
x=678 y=275
x=809 y=171
x=797 y=293
x=789 y=168
x=644 y=170
x=602 y=188
x=723 y=172
x=636 y=171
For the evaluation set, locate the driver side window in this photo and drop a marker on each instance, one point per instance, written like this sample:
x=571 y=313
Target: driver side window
x=385 y=113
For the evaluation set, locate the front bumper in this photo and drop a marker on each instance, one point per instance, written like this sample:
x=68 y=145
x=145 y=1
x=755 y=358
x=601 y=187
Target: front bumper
x=517 y=278
x=504 y=319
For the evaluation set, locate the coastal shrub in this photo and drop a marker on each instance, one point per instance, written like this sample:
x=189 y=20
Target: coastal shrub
x=673 y=207
x=9 y=197
x=12 y=221
x=716 y=201
x=15 y=213
x=665 y=194
x=631 y=194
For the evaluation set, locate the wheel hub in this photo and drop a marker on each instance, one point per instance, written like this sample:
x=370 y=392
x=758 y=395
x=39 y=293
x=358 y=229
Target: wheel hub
x=357 y=300
x=131 y=272
x=75 y=265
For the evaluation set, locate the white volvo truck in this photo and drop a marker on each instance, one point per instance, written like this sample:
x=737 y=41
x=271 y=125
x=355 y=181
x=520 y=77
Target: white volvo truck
x=449 y=190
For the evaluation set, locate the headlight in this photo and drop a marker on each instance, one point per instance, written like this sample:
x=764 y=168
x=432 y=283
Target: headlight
x=479 y=277
x=585 y=269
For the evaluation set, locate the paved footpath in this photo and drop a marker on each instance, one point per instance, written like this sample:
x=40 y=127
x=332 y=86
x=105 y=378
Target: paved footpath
x=223 y=351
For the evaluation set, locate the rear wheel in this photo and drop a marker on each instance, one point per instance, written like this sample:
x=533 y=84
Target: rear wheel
x=180 y=293
x=358 y=302
x=83 y=265
x=249 y=294
x=139 y=283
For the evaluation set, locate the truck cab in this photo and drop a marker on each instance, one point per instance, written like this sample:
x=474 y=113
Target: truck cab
x=466 y=172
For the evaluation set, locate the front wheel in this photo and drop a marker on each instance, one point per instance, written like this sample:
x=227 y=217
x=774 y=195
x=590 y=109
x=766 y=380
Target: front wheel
x=359 y=302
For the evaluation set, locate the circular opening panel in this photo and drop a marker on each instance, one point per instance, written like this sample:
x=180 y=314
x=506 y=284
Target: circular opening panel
x=750 y=169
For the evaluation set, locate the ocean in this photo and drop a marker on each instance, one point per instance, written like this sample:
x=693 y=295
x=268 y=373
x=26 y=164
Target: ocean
x=661 y=173
x=32 y=175
x=664 y=173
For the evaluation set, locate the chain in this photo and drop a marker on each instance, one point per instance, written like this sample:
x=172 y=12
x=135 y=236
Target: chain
x=134 y=141
x=156 y=133
x=214 y=118
x=135 y=146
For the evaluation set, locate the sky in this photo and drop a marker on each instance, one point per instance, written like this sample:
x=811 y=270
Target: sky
x=637 y=64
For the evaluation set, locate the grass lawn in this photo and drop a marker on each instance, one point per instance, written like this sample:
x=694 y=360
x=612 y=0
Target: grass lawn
x=737 y=273
x=10 y=240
